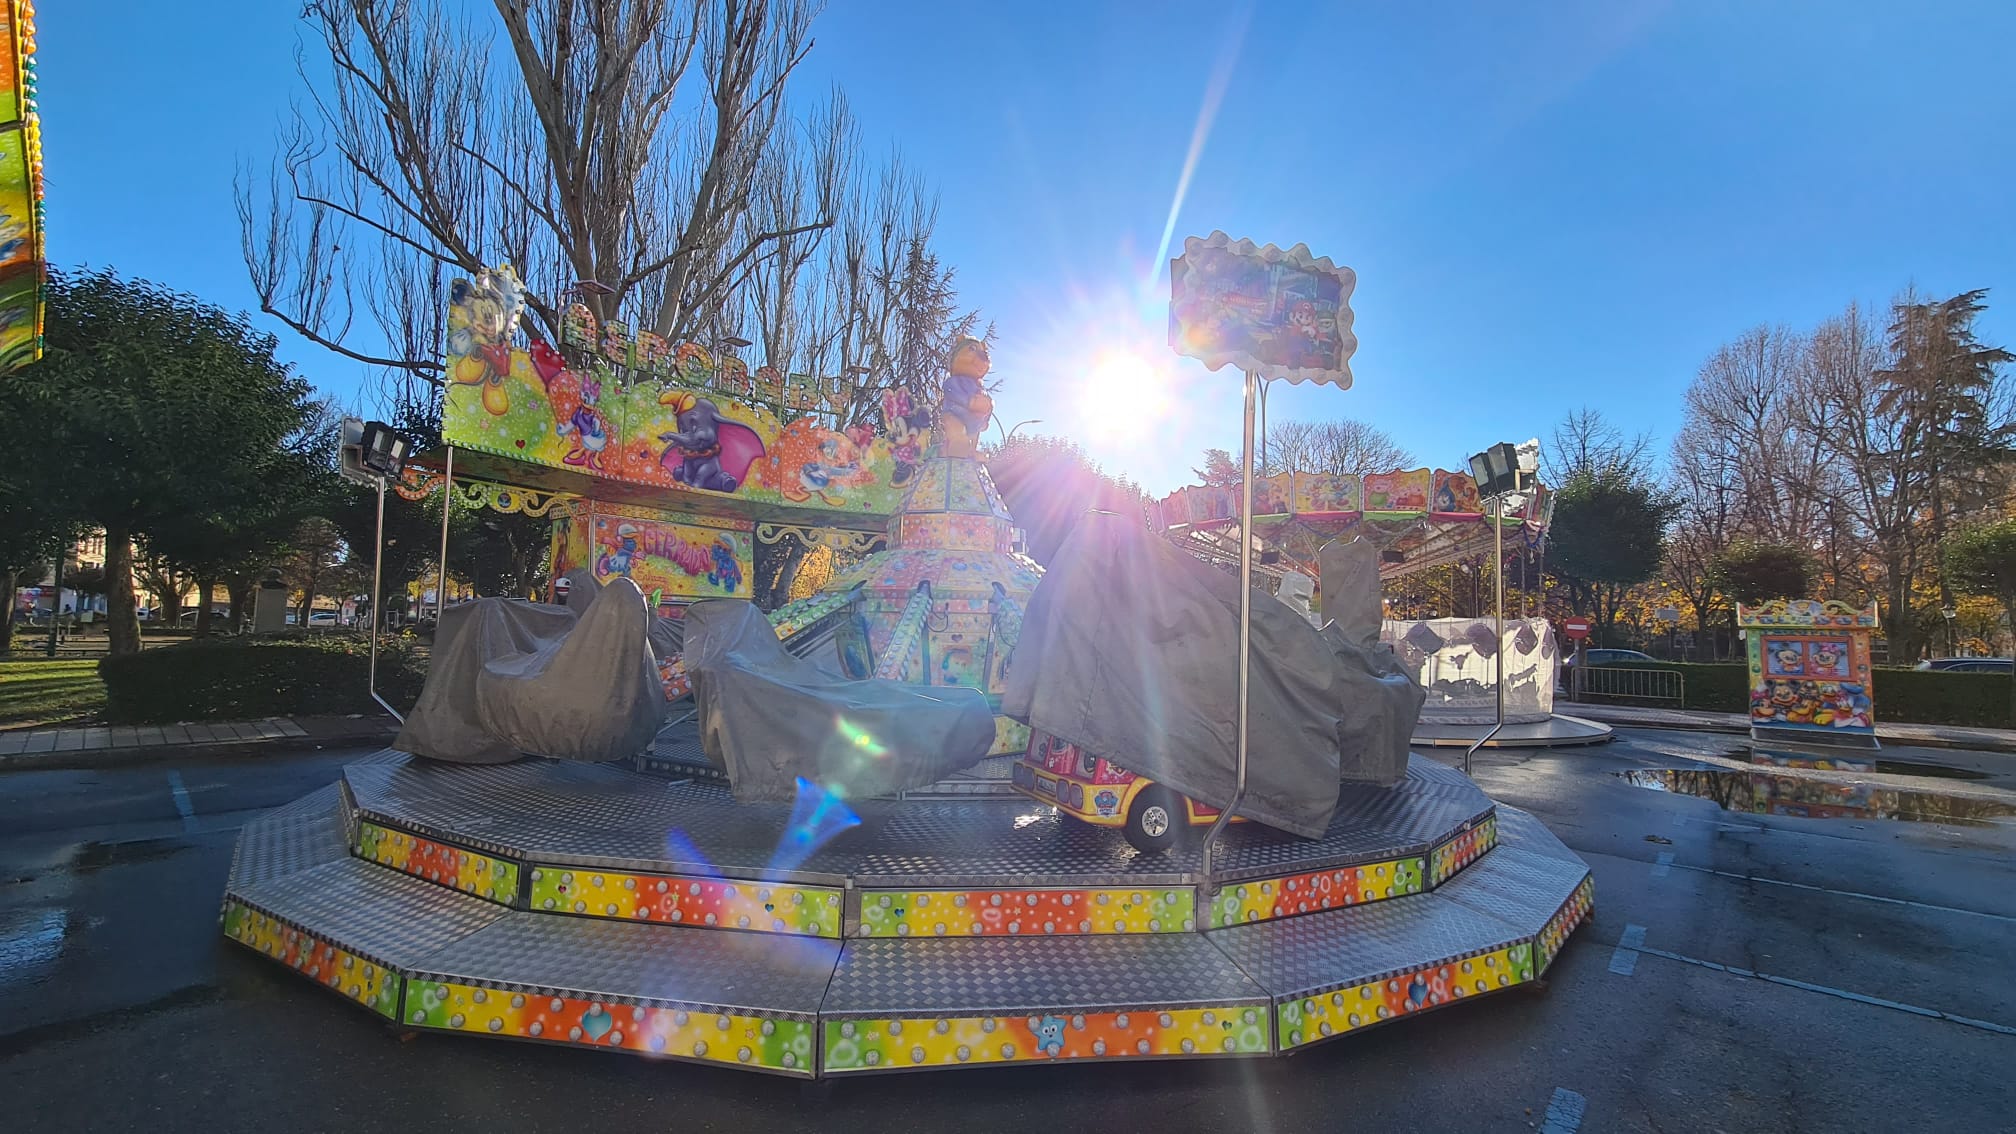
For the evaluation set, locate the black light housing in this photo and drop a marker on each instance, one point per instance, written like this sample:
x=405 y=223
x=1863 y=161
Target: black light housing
x=384 y=451
x=1496 y=470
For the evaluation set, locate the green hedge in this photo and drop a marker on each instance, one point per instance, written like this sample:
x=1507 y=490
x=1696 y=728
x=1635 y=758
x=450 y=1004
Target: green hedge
x=248 y=678
x=1922 y=696
x=1913 y=696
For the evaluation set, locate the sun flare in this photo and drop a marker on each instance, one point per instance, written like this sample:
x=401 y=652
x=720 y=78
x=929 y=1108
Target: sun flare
x=1124 y=396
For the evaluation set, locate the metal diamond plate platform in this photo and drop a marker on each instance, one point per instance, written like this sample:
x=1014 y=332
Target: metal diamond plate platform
x=1315 y=953
x=661 y=965
x=1515 y=886
x=385 y=916
x=287 y=840
x=761 y=987
x=1011 y=976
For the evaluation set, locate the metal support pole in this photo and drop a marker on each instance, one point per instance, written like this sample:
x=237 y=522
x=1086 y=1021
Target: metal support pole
x=441 y=576
x=378 y=615
x=1498 y=656
x=1245 y=623
x=56 y=600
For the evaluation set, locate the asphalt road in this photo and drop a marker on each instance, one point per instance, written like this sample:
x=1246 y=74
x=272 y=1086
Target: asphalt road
x=122 y=1008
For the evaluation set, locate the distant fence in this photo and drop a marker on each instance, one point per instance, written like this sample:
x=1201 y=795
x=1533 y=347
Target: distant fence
x=1600 y=683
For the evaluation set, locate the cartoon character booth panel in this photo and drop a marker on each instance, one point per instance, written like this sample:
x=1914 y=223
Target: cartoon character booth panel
x=647 y=412
x=676 y=559
x=1810 y=680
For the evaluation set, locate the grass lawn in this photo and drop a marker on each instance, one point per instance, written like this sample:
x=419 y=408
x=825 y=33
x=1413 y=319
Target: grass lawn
x=44 y=692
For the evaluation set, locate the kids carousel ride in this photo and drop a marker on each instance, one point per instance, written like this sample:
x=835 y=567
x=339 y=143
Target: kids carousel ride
x=821 y=909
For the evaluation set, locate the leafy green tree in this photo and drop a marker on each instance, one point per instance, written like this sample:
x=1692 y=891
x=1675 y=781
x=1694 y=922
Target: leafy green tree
x=149 y=411
x=412 y=536
x=1751 y=571
x=500 y=553
x=1609 y=535
x=1943 y=382
x=1981 y=560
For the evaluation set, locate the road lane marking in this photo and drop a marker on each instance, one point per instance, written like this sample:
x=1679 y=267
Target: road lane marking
x=1823 y=989
x=1664 y=866
x=1830 y=890
x=181 y=795
x=1624 y=961
x=1564 y=1112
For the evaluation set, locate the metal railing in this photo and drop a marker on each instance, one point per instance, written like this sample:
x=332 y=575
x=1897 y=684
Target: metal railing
x=1602 y=683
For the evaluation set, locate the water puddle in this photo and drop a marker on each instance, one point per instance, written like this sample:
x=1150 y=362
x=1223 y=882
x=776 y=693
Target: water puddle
x=98 y=856
x=30 y=941
x=1839 y=763
x=1768 y=793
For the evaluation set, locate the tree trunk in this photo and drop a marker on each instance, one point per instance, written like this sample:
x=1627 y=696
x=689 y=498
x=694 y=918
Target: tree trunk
x=204 y=585
x=9 y=585
x=122 y=621
x=1896 y=620
x=240 y=587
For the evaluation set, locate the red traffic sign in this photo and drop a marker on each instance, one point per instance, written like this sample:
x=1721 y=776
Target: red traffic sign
x=1576 y=628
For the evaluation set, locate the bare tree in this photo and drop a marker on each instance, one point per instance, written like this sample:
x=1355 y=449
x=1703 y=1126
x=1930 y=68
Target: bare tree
x=1585 y=442
x=555 y=134
x=1336 y=447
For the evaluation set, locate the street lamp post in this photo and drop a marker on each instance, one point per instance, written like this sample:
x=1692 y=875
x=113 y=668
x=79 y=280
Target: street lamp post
x=1952 y=638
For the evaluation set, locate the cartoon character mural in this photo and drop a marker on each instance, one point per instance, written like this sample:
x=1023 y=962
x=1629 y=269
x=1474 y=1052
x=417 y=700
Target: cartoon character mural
x=811 y=460
x=708 y=450
x=572 y=399
x=967 y=408
x=1810 y=668
x=482 y=317
x=1785 y=657
x=617 y=560
x=663 y=552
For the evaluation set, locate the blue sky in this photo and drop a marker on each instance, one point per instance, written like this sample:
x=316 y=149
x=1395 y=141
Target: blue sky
x=1549 y=208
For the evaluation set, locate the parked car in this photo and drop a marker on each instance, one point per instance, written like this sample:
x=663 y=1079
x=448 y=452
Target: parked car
x=322 y=618
x=1969 y=665
x=1601 y=657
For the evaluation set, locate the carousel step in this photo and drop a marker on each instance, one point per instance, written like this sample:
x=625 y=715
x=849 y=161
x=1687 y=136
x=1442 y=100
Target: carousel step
x=1339 y=971
x=351 y=925
x=747 y=1000
x=897 y=1005
x=297 y=836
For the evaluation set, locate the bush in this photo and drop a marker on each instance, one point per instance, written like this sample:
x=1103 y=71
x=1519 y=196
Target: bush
x=1906 y=696
x=1922 y=696
x=248 y=678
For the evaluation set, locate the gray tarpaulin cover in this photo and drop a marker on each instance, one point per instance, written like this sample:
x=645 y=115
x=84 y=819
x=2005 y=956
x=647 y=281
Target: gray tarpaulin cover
x=1130 y=649
x=768 y=718
x=509 y=677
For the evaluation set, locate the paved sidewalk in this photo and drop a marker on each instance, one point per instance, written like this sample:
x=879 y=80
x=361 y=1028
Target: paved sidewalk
x=1919 y=735
x=116 y=744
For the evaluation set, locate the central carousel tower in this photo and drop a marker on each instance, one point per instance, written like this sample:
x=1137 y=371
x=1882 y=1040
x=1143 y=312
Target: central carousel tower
x=943 y=604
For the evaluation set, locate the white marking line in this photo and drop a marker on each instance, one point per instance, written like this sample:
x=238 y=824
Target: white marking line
x=1828 y=990
x=1829 y=890
x=1624 y=961
x=181 y=795
x=1564 y=1112
x=1664 y=866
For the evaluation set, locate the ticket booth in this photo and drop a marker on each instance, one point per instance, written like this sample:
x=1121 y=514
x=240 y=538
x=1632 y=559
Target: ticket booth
x=1810 y=681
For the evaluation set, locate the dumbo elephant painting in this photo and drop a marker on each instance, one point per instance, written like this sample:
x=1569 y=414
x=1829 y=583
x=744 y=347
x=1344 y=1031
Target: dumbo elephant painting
x=709 y=451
